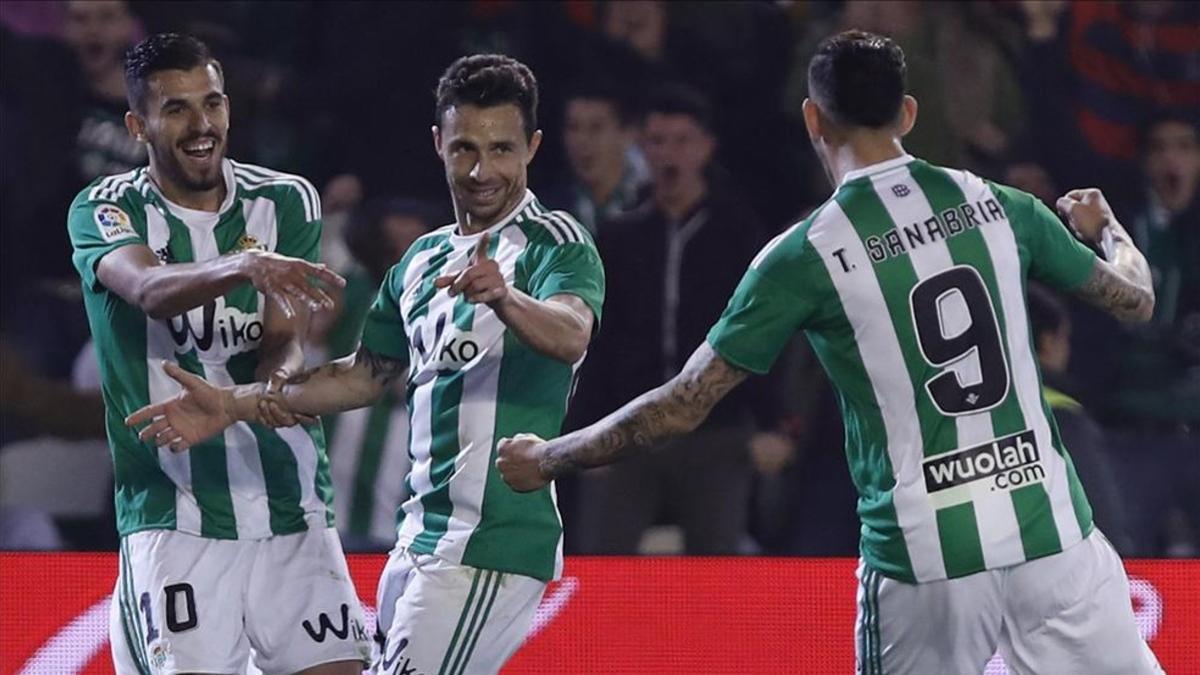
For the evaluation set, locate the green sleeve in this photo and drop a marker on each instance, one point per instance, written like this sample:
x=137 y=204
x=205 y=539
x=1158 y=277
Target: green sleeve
x=767 y=309
x=573 y=268
x=97 y=228
x=298 y=236
x=383 y=330
x=1056 y=258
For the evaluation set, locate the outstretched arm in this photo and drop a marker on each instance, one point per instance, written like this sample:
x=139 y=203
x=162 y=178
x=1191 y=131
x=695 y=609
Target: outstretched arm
x=1122 y=284
x=677 y=407
x=163 y=290
x=201 y=410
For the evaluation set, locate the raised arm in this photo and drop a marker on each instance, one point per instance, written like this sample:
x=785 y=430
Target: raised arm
x=163 y=290
x=558 y=327
x=201 y=410
x=1122 y=284
x=677 y=407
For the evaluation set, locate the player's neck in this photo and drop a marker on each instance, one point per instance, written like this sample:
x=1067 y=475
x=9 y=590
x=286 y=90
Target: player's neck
x=859 y=153
x=469 y=225
x=197 y=200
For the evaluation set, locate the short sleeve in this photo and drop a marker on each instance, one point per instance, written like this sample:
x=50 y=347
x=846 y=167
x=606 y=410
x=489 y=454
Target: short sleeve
x=97 y=228
x=300 y=223
x=383 y=330
x=768 y=307
x=1056 y=257
x=573 y=268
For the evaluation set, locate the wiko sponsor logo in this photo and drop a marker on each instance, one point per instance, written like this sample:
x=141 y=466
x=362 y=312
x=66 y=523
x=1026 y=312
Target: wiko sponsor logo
x=216 y=329
x=1009 y=462
x=325 y=627
x=442 y=343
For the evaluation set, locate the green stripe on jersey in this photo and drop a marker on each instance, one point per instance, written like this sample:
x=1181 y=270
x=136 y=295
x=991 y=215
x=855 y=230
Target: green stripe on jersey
x=896 y=278
x=210 y=475
x=958 y=533
x=970 y=249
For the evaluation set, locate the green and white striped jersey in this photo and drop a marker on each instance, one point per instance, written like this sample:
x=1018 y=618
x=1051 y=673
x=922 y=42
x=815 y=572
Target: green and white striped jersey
x=910 y=284
x=250 y=482
x=471 y=382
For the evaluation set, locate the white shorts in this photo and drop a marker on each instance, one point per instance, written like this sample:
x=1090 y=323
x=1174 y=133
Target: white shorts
x=1068 y=613
x=187 y=604
x=440 y=617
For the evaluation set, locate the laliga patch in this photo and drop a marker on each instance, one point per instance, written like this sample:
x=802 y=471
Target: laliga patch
x=114 y=223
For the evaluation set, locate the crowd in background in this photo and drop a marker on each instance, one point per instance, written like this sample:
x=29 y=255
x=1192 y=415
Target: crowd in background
x=673 y=132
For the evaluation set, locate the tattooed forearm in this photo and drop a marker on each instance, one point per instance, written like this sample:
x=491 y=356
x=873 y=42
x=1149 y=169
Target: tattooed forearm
x=675 y=408
x=350 y=382
x=383 y=368
x=1122 y=286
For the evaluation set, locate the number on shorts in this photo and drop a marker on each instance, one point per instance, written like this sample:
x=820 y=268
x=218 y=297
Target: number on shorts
x=151 y=631
x=175 y=623
x=982 y=336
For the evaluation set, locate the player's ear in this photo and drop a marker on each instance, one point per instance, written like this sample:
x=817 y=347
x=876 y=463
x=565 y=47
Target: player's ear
x=136 y=126
x=535 y=142
x=437 y=139
x=812 y=119
x=908 y=115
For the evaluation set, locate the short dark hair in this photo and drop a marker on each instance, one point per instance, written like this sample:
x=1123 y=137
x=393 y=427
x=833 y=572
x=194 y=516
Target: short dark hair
x=488 y=80
x=680 y=99
x=1047 y=314
x=164 y=51
x=1170 y=116
x=606 y=92
x=858 y=79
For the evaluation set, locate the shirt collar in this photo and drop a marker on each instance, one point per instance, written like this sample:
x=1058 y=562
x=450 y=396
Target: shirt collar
x=878 y=167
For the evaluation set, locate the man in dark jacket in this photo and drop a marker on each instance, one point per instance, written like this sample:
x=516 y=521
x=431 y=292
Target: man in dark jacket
x=671 y=263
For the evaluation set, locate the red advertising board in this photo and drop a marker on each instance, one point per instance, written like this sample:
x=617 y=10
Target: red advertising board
x=607 y=615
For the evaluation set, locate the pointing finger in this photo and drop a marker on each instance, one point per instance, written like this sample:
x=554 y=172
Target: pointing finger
x=481 y=248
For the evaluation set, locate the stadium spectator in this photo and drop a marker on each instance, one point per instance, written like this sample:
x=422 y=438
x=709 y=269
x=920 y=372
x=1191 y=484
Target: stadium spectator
x=1050 y=324
x=1099 y=71
x=368 y=447
x=79 y=122
x=673 y=262
x=1154 y=394
x=607 y=169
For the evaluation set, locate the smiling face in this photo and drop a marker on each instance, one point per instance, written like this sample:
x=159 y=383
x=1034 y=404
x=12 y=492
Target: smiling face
x=486 y=155
x=186 y=124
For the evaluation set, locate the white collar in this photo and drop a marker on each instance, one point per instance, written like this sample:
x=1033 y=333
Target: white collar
x=184 y=213
x=458 y=237
x=878 y=167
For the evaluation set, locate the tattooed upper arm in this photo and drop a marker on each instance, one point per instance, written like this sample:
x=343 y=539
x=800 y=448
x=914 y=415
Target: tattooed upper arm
x=1110 y=290
x=674 y=408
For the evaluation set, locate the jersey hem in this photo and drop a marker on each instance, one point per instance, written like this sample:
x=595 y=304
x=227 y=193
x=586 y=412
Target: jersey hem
x=408 y=543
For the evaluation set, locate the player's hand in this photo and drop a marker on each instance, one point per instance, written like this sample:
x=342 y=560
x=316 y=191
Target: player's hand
x=195 y=414
x=481 y=281
x=519 y=461
x=273 y=410
x=1087 y=212
x=288 y=280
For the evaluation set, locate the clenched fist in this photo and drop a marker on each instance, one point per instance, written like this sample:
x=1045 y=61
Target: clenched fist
x=519 y=461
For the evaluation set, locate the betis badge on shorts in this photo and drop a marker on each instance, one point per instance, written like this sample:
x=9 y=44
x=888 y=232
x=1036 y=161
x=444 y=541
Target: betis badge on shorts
x=114 y=223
